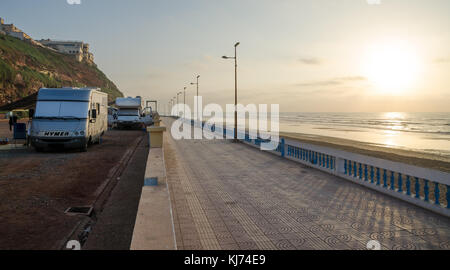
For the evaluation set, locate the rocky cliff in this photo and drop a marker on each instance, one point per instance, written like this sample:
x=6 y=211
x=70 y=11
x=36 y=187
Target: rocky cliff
x=24 y=68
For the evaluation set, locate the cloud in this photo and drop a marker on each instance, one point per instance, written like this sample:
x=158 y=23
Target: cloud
x=204 y=62
x=156 y=75
x=333 y=81
x=310 y=61
x=74 y=2
x=442 y=60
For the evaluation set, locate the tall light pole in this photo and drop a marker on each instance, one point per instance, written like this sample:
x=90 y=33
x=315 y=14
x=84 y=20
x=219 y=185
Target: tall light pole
x=184 y=102
x=179 y=93
x=174 y=99
x=198 y=76
x=235 y=88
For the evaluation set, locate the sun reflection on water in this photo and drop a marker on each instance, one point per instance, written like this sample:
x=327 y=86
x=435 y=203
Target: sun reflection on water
x=394 y=115
x=395 y=120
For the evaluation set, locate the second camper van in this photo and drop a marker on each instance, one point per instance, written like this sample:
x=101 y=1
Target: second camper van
x=129 y=114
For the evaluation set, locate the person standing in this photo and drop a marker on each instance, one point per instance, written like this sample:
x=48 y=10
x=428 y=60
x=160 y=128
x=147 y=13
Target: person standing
x=14 y=118
x=11 y=123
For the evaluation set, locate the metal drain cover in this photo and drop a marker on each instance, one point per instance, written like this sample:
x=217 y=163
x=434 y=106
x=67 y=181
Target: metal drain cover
x=79 y=210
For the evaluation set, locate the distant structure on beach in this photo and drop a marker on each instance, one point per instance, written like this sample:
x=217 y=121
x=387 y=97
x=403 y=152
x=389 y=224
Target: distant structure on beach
x=78 y=49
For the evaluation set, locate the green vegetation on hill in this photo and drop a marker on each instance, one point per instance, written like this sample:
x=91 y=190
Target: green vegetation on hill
x=25 y=68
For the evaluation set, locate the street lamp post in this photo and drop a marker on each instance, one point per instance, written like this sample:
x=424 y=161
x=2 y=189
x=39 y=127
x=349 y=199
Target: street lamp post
x=235 y=88
x=184 y=102
x=174 y=100
x=198 y=76
x=179 y=93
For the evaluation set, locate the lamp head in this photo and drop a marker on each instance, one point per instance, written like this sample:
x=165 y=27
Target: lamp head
x=198 y=76
x=237 y=44
x=225 y=57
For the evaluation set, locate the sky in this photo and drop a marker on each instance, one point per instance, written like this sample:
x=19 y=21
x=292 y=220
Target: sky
x=307 y=56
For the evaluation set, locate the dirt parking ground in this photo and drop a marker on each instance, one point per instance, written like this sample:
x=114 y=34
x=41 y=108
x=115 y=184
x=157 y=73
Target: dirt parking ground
x=36 y=188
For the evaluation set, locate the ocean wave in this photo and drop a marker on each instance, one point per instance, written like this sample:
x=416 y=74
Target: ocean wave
x=428 y=123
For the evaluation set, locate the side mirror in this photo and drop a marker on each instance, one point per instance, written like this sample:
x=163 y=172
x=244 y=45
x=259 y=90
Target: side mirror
x=94 y=114
x=31 y=113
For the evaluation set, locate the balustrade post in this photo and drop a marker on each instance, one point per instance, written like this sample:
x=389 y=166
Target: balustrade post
x=436 y=193
x=408 y=186
x=378 y=177
x=365 y=173
x=448 y=196
x=392 y=181
x=417 y=188
x=360 y=171
x=371 y=174
x=426 y=190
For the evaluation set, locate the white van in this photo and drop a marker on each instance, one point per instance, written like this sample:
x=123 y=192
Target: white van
x=129 y=115
x=112 y=117
x=69 y=118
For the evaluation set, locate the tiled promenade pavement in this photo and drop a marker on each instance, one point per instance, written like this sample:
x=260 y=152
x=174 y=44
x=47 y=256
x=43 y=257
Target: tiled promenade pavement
x=232 y=196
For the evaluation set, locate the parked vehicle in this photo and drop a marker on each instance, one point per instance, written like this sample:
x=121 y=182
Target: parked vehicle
x=147 y=116
x=112 y=117
x=69 y=118
x=129 y=115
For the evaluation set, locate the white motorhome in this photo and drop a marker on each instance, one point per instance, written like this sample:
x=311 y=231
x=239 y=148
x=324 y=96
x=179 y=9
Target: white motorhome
x=69 y=118
x=112 y=117
x=129 y=114
x=147 y=116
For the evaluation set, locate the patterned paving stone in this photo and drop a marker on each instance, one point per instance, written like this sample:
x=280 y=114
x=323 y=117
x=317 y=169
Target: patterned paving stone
x=231 y=196
x=309 y=244
x=247 y=245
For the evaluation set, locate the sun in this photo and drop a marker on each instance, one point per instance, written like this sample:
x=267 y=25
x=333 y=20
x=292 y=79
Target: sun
x=392 y=66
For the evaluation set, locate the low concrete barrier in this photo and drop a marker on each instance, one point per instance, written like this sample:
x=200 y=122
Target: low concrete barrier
x=154 y=229
x=156 y=135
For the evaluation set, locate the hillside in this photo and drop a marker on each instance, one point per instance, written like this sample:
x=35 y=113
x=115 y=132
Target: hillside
x=24 y=68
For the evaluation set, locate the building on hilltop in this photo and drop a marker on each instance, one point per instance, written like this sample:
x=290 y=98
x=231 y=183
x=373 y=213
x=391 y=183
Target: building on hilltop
x=12 y=30
x=78 y=49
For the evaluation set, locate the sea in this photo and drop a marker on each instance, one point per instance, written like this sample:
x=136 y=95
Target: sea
x=419 y=132
x=423 y=132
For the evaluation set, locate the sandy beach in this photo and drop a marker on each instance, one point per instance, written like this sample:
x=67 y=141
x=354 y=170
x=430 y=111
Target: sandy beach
x=420 y=159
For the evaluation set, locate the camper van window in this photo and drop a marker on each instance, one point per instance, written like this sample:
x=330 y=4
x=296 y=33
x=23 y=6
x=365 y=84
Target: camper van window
x=98 y=108
x=128 y=112
x=62 y=109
